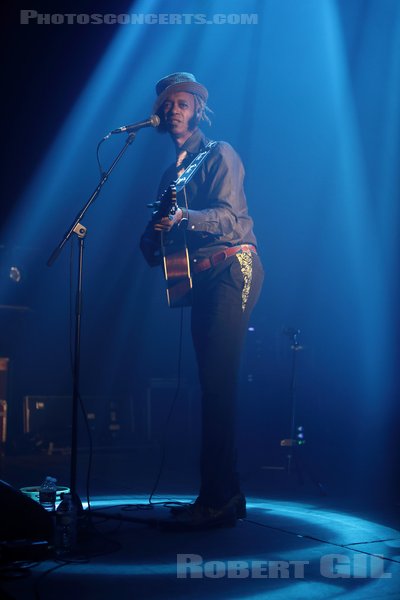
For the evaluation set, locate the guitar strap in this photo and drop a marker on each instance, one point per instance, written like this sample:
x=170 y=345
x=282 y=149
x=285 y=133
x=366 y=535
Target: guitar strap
x=192 y=168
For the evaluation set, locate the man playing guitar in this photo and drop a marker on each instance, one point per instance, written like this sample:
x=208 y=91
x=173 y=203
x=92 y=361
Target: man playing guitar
x=224 y=275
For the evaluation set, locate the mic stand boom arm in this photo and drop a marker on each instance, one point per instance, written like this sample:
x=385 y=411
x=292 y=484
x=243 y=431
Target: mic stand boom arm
x=92 y=198
x=80 y=231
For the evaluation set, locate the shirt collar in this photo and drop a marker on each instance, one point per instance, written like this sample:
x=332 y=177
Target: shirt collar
x=195 y=143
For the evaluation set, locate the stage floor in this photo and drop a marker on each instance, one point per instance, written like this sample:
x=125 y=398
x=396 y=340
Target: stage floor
x=294 y=544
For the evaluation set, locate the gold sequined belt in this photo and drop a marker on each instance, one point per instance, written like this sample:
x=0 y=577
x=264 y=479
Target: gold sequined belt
x=202 y=264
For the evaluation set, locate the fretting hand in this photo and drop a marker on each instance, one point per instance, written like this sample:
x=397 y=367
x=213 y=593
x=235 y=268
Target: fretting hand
x=167 y=223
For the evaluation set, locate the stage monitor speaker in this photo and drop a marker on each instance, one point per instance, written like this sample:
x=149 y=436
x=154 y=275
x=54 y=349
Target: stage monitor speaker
x=22 y=518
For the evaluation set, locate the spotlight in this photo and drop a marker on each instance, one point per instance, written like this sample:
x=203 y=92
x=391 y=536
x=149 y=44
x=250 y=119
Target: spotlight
x=15 y=274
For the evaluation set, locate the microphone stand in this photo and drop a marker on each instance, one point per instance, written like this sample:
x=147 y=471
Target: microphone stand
x=80 y=231
x=293 y=460
x=295 y=347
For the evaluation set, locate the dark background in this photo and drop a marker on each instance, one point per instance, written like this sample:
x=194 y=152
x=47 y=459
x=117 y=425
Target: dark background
x=44 y=70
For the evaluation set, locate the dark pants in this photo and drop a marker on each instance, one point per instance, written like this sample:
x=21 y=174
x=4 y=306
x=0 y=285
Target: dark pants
x=219 y=325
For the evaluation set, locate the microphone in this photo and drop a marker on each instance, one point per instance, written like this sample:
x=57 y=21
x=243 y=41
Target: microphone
x=153 y=121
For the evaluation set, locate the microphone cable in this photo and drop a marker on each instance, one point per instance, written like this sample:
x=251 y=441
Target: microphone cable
x=170 y=412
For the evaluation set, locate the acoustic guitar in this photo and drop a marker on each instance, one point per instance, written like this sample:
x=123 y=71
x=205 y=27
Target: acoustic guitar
x=174 y=249
x=175 y=255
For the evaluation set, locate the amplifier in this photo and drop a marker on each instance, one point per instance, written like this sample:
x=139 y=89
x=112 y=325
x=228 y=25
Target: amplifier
x=110 y=419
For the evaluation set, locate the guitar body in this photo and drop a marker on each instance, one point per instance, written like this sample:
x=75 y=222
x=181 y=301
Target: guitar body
x=177 y=274
x=175 y=255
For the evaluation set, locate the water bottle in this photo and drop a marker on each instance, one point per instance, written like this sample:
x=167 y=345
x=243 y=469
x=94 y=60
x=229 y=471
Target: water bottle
x=48 y=494
x=66 y=525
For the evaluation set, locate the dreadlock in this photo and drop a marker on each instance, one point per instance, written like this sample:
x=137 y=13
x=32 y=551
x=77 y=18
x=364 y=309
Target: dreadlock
x=201 y=109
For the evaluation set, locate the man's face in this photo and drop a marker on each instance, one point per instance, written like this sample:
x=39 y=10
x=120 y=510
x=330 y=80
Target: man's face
x=178 y=111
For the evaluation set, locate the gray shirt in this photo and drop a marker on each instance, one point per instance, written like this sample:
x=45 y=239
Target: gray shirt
x=217 y=215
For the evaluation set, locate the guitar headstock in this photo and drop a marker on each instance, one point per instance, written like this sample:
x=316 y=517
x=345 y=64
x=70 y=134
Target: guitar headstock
x=166 y=204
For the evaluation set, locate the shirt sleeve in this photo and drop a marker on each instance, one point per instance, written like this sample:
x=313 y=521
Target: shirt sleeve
x=223 y=191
